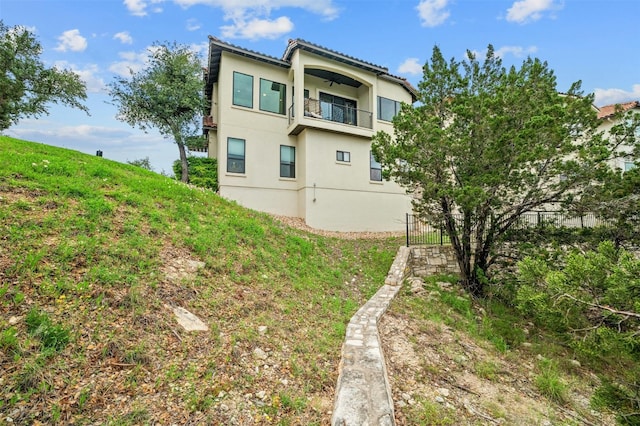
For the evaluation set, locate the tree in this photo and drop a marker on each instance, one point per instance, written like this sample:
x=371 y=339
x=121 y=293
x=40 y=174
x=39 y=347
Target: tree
x=26 y=85
x=166 y=94
x=485 y=145
x=142 y=162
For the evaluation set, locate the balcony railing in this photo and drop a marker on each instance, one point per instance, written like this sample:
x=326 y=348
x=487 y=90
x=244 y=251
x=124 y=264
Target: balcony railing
x=328 y=111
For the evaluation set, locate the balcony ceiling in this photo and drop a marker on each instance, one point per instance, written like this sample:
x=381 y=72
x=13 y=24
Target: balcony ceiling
x=332 y=77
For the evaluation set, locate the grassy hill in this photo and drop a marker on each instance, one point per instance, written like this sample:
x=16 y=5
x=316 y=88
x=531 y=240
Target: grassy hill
x=93 y=255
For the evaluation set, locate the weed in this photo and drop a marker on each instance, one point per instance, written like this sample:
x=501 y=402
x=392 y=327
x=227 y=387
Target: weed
x=550 y=383
x=137 y=355
x=486 y=369
x=292 y=403
x=83 y=398
x=9 y=340
x=430 y=413
x=52 y=336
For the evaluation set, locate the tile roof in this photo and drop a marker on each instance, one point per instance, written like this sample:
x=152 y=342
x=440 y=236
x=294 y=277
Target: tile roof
x=216 y=46
x=608 y=110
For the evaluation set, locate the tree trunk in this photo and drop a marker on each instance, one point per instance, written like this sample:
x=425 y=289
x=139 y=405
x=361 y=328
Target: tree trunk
x=183 y=162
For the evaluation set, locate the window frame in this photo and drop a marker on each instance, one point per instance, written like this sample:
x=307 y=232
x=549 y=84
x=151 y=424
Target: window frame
x=396 y=106
x=348 y=156
x=235 y=158
x=290 y=165
x=233 y=97
x=372 y=168
x=282 y=102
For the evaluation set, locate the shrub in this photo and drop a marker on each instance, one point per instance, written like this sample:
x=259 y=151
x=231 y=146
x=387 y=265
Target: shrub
x=203 y=171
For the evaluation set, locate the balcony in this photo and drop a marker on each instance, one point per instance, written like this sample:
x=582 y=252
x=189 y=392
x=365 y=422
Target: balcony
x=315 y=109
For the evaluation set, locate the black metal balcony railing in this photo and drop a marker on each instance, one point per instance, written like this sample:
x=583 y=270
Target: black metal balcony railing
x=344 y=114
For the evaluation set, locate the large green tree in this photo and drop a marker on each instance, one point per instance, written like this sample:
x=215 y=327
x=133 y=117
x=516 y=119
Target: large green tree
x=485 y=145
x=27 y=86
x=167 y=94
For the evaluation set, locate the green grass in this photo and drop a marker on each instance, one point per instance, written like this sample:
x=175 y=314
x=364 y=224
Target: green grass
x=86 y=258
x=550 y=382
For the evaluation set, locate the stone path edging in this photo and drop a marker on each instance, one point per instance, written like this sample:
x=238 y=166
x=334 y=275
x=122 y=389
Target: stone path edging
x=363 y=393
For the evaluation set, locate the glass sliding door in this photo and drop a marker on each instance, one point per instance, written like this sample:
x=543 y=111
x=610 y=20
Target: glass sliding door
x=338 y=109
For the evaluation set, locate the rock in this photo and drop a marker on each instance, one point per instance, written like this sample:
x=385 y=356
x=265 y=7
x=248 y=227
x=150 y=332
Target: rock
x=262 y=330
x=444 y=392
x=261 y=394
x=187 y=320
x=575 y=363
x=13 y=320
x=406 y=396
x=259 y=353
x=439 y=399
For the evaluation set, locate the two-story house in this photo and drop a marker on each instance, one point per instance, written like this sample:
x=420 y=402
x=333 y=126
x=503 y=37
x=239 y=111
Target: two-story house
x=293 y=135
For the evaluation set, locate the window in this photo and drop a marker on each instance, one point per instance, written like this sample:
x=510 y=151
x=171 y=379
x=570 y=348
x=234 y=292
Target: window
x=235 y=155
x=629 y=165
x=335 y=108
x=287 y=161
x=375 y=168
x=387 y=108
x=242 y=90
x=272 y=96
x=343 y=156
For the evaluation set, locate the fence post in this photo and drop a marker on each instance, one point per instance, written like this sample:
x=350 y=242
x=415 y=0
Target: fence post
x=407 y=229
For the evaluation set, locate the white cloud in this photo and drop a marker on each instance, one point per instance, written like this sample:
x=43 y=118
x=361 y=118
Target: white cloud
x=616 y=96
x=524 y=11
x=410 y=66
x=132 y=61
x=193 y=25
x=71 y=40
x=432 y=12
x=88 y=74
x=262 y=8
x=251 y=19
x=139 y=7
x=124 y=37
x=258 y=28
x=517 y=51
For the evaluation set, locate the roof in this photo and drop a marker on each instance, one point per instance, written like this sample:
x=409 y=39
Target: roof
x=609 y=110
x=217 y=46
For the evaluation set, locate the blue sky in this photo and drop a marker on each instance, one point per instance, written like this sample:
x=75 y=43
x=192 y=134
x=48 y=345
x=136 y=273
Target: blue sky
x=594 y=41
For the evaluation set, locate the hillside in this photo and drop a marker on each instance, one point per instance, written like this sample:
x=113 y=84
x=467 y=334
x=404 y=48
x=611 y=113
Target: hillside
x=94 y=255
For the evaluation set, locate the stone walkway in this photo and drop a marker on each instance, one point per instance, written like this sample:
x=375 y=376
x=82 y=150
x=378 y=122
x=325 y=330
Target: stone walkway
x=363 y=396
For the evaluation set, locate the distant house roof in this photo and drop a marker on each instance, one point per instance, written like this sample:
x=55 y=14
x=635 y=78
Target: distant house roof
x=608 y=110
x=217 y=46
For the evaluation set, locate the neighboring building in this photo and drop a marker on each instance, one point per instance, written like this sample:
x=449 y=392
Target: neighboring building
x=293 y=136
x=607 y=117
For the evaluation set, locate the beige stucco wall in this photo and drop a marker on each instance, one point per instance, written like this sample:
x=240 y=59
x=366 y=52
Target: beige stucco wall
x=625 y=150
x=328 y=194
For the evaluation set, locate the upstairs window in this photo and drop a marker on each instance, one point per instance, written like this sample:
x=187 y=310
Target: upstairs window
x=375 y=169
x=242 y=89
x=343 y=156
x=287 y=161
x=235 y=155
x=272 y=96
x=629 y=165
x=387 y=108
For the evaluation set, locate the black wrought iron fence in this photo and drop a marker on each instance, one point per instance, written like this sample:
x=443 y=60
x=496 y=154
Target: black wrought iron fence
x=420 y=232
